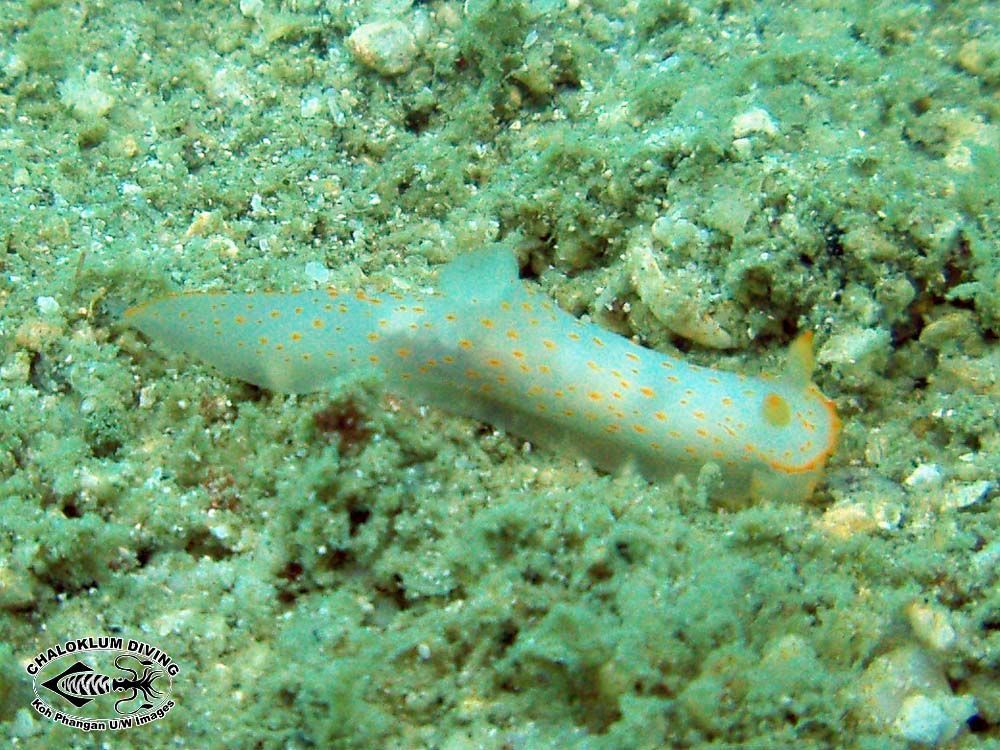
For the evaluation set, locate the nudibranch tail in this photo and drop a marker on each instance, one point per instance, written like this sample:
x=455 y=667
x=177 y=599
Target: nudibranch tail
x=487 y=346
x=293 y=343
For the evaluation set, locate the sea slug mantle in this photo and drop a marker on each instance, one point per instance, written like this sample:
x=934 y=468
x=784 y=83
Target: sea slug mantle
x=487 y=346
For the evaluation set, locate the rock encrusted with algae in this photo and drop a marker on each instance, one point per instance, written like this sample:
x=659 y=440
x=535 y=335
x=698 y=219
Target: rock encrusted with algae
x=905 y=692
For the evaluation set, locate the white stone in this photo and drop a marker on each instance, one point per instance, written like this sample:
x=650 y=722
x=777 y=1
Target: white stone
x=931 y=626
x=922 y=720
x=252 y=8
x=47 y=305
x=388 y=47
x=905 y=692
x=310 y=107
x=932 y=721
x=317 y=272
x=85 y=95
x=964 y=494
x=858 y=354
x=756 y=120
x=925 y=475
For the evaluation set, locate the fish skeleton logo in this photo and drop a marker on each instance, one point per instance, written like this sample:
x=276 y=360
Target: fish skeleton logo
x=82 y=672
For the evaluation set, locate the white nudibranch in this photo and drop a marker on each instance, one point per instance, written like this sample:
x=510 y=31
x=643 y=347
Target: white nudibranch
x=487 y=346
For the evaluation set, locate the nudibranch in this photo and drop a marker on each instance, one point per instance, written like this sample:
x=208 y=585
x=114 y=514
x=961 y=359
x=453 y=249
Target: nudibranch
x=488 y=346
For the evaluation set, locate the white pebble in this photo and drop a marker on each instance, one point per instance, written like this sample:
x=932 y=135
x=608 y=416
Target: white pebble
x=310 y=107
x=932 y=721
x=964 y=494
x=47 y=305
x=754 y=121
x=930 y=625
x=317 y=272
x=906 y=692
x=388 y=47
x=925 y=475
x=85 y=95
x=252 y=8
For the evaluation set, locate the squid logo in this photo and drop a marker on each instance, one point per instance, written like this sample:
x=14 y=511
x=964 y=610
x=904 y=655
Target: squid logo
x=103 y=683
x=80 y=684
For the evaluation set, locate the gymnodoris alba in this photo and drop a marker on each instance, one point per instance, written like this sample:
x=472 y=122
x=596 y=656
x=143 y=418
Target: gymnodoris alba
x=487 y=346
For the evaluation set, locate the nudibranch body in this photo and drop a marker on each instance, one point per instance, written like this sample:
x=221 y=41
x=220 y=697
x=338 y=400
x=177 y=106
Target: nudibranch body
x=487 y=346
